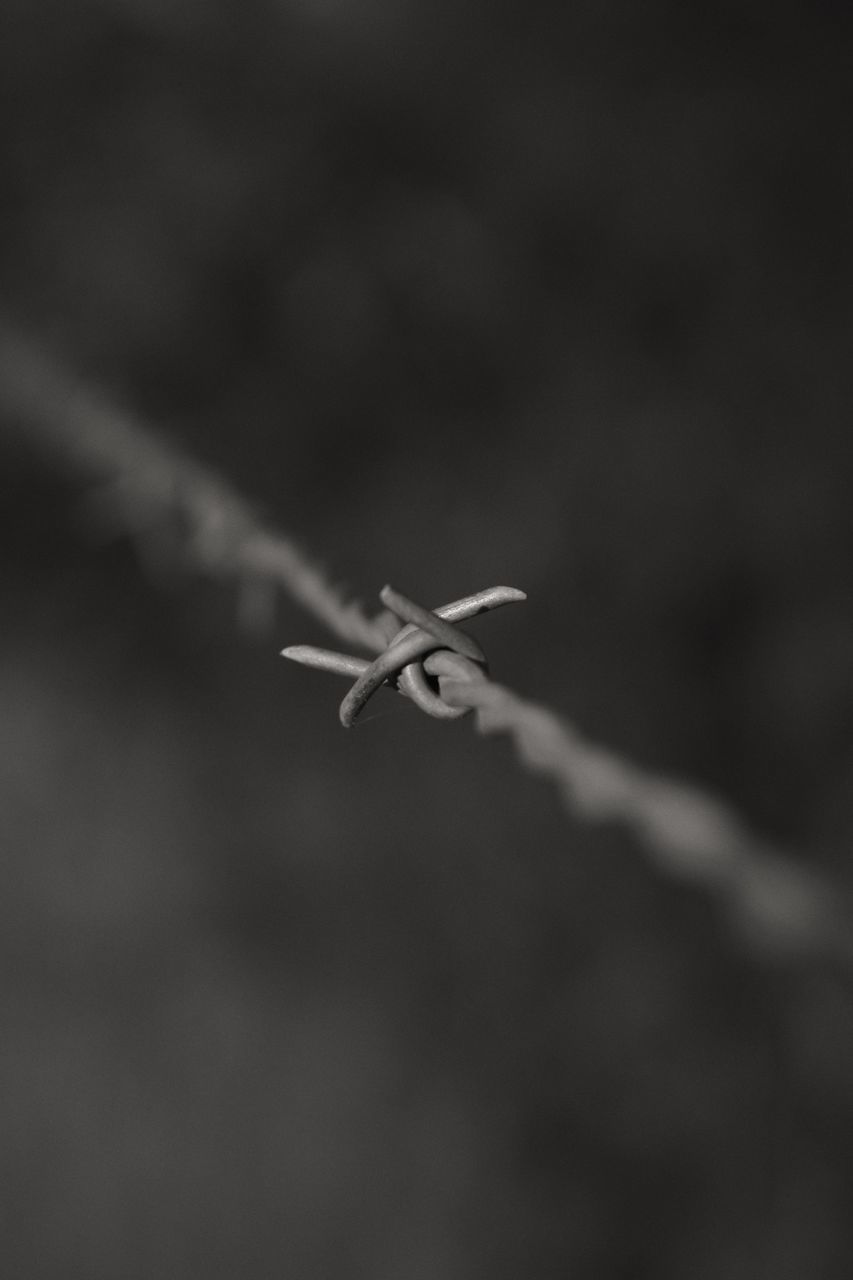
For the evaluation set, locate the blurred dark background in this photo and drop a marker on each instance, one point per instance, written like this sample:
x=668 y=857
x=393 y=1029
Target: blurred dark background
x=552 y=295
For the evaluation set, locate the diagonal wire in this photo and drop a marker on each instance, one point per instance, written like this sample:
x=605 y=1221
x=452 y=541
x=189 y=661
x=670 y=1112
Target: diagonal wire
x=774 y=900
x=146 y=483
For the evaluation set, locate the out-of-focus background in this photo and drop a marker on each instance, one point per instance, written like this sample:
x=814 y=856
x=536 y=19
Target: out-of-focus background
x=557 y=295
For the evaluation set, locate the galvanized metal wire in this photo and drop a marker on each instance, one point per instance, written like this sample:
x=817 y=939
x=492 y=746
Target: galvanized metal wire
x=138 y=484
x=774 y=900
x=137 y=481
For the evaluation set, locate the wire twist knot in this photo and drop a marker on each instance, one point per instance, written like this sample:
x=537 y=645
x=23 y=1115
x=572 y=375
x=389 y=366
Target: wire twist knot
x=427 y=646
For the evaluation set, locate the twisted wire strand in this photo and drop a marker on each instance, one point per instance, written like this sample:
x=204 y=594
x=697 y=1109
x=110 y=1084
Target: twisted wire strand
x=144 y=482
x=773 y=899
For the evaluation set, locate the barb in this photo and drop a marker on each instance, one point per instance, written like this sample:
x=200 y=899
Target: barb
x=145 y=485
x=412 y=680
x=433 y=623
x=425 y=632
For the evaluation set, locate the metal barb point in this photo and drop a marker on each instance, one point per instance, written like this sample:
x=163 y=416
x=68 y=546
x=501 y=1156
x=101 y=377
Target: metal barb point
x=326 y=660
x=424 y=632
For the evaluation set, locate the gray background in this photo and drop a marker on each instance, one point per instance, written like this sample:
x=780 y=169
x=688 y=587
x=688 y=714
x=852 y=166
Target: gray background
x=553 y=295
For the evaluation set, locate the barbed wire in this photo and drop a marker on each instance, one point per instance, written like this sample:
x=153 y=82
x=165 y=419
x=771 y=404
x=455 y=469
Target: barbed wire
x=775 y=902
x=139 y=483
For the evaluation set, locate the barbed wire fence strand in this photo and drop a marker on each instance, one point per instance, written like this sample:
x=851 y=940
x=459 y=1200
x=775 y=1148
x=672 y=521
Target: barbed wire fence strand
x=138 y=482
